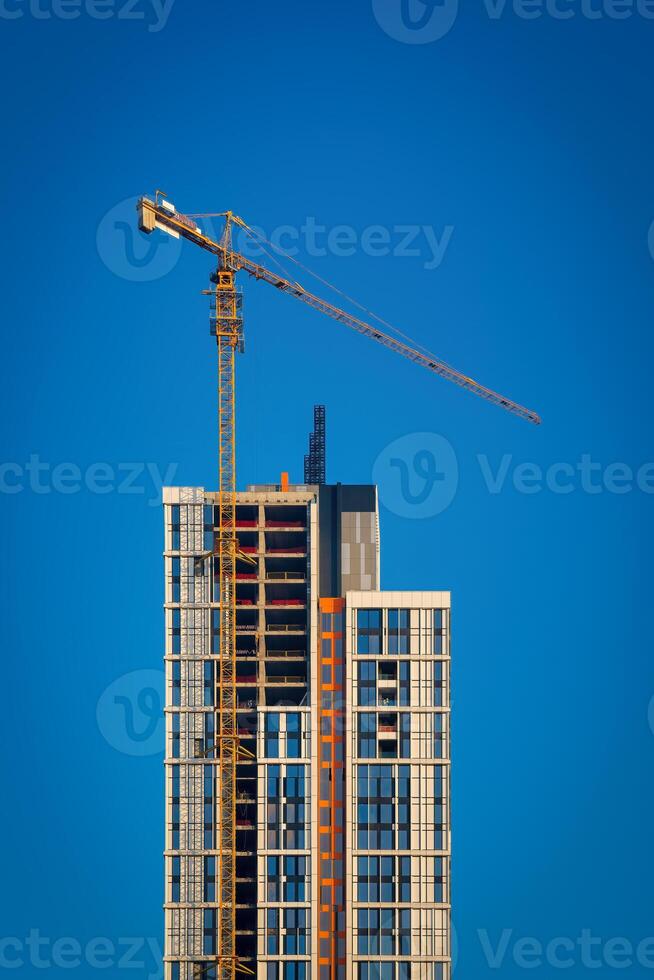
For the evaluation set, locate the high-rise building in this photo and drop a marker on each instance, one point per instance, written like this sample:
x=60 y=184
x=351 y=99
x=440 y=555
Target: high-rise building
x=342 y=829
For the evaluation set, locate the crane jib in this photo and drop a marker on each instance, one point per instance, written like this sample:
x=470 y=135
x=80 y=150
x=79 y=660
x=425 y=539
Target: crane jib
x=153 y=215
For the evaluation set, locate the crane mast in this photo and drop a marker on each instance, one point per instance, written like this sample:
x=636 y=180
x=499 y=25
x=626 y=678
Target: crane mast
x=228 y=328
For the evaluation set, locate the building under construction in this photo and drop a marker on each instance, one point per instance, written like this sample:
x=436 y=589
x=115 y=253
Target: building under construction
x=342 y=838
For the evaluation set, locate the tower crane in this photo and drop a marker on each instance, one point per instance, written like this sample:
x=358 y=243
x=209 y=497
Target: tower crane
x=227 y=325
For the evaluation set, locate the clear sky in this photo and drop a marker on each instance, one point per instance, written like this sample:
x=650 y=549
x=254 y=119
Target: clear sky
x=492 y=167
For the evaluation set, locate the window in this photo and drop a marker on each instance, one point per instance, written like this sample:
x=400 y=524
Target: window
x=294 y=878
x=382 y=878
x=176 y=631
x=368 y=930
x=398 y=631
x=209 y=734
x=175 y=790
x=367 y=735
x=368 y=879
x=375 y=808
x=271 y=734
x=369 y=631
x=439 y=683
x=405 y=683
x=404 y=879
x=295 y=971
x=175 y=724
x=208 y=682
x=387 y=937
x=209 y=879
x=293 y=735
x=208 y=808
x=403 y=807
x=177 y=683
x=295 y=925
x=439 y=631
x=367 y=686
x=175 y=880
x=175 y=576
x=376 y=971
x=272 y=930
x=376 y=931
x=439 y=808
x=405 y=735
x=273 y=807
x=439 y=736
x=294 y=808
x=209 y=932
x=273 y=889
x=208 y=525
x=174 y=527
x=404 y=932
x=440 y=883
x=215 y=632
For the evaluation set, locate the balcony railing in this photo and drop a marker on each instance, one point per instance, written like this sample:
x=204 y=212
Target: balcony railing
x=285 y=576
x=286 y=628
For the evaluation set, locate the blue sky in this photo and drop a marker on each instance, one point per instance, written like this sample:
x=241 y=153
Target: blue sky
x=522 y=146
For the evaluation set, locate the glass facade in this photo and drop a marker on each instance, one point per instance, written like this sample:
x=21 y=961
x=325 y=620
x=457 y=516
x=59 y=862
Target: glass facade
x=400 y=804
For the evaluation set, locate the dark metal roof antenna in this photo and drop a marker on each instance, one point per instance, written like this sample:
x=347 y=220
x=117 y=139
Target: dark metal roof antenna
x=315 y=462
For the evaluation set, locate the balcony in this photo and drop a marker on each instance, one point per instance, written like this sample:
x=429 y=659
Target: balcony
x=285 y=628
